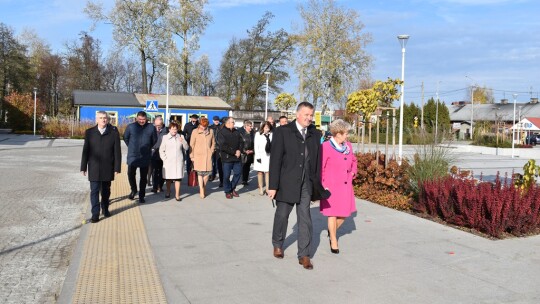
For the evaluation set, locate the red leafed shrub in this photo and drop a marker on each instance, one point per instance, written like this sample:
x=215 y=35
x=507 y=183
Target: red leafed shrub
x=385 y=186
x=492 y=208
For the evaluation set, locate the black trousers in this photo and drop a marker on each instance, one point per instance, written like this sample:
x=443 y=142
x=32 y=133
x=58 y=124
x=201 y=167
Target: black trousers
x=246 y=167
x=157 y=174
x=217 y=166
x=95 y=189
x=303 y=215
x=143 y=171
x=189 y=163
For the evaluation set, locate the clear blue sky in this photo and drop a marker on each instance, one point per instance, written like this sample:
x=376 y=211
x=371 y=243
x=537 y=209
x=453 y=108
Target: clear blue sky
x=494 y=42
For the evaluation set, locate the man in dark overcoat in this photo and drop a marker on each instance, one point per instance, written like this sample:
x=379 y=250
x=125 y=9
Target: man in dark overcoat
x=157 y=163
x=216 y=160
x=248 y=136
x=139 y=137
x=188 y=130
x=101 y=158
x=231 y=146
x=294 y=174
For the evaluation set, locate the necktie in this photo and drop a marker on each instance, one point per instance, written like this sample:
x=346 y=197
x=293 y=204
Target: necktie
x=305 y=154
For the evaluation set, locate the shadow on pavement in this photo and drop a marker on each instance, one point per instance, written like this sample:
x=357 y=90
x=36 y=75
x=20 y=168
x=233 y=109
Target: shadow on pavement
x=40 y=240
x=19 y=139
x=320 y=227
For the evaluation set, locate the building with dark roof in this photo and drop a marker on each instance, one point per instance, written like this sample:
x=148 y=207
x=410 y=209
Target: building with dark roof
x=123 y=106
x=501 y=114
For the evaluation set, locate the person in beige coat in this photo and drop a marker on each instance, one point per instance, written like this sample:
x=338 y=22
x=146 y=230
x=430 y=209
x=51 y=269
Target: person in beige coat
x=172 y=155
x=202 y=145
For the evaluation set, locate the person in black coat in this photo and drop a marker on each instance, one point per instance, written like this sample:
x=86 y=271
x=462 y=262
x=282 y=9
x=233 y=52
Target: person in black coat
x=216 y=160
x=294 y=176
x=101 y=158
x=157 y=163
x=139 y=137
x=248 y=135
x=188 y=129
x=231 y=146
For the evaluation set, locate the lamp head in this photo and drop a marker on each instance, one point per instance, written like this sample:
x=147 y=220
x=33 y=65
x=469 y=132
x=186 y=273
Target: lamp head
x=403 y=40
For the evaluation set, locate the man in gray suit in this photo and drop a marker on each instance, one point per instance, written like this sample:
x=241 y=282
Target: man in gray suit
x=295 y=180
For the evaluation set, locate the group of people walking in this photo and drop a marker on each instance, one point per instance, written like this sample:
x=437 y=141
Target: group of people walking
x=293 y=168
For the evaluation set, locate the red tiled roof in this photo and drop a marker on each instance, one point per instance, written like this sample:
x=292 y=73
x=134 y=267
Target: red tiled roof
x=534 y=120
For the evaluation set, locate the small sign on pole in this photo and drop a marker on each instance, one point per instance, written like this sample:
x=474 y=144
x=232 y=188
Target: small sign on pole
x=151 y=106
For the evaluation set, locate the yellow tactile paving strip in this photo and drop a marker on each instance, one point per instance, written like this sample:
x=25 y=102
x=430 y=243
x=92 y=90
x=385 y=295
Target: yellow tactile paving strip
x=117 y=265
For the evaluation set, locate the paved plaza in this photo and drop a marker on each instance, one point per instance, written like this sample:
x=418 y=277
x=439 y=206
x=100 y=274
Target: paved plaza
x=219 y=251
x=43 y=199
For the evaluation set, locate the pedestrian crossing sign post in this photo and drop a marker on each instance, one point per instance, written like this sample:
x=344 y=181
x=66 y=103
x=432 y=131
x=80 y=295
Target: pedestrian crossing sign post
x=151 y=106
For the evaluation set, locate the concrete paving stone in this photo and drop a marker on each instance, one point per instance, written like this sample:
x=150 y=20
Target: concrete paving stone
x=42 y=198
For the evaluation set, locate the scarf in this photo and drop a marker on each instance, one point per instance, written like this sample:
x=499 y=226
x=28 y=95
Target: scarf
x=343 y=148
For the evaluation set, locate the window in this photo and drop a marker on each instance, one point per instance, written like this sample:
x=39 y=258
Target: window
x=113 y=117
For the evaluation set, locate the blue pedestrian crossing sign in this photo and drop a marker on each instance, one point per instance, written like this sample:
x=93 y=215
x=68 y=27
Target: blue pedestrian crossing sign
x=151 y=106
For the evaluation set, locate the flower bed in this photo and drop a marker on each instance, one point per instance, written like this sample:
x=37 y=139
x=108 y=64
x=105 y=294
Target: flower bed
x=385 y=186
x=496 y=209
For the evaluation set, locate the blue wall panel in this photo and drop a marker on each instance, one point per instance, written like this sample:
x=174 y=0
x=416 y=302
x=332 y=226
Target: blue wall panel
x=89 y=112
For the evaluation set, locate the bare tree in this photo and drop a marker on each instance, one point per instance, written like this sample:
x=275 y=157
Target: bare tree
x=202 y=77
x=83 y=64
x=139 y=25
x=242 y=71
x=187 y=19
x=331 y=51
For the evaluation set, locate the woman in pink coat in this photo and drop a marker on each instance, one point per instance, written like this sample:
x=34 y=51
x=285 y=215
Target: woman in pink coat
x=338 y=169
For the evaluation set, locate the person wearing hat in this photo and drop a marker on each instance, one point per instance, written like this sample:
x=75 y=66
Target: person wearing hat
x=216 y=160
x=188 y=129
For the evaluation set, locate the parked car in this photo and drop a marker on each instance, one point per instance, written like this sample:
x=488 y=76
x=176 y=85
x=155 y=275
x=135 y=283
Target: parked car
x=532 y=139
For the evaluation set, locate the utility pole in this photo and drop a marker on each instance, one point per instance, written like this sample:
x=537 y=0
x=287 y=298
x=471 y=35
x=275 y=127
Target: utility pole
x=422 y=116
x=437 y=113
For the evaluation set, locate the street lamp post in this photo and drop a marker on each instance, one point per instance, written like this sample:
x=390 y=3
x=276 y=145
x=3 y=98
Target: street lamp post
x=437 y=113
x=519 y=124
x=266 y=99
x=167 y=98
x=35 y=105
x=472 y=105
x=514 y=125
x=403 y=42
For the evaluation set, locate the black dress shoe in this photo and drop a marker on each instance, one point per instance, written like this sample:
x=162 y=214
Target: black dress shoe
x=132 y=195
x=154 y=190
x=334 y=251
x=245 y=183
x=106 y=213
x=94 y=220
x=141 y=200
x=220 y=185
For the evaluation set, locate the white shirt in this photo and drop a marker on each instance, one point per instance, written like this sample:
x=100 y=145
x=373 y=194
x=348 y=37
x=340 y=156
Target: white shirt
x=299 y=126
x=102 y=130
